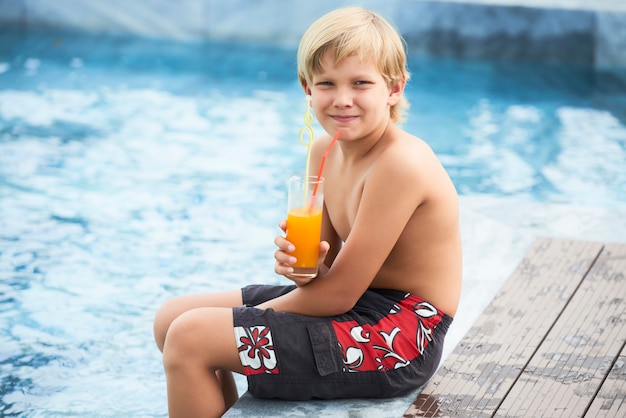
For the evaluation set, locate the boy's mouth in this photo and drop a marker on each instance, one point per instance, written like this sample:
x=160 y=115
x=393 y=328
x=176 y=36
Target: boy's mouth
x=344 y=118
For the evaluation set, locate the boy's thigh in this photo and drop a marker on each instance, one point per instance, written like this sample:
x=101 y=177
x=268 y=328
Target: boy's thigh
x=206 y=334
x=226 y=299
x=173 y=308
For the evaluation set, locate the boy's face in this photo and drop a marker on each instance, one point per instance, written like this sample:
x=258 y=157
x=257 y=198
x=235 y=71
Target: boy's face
x=352 y=96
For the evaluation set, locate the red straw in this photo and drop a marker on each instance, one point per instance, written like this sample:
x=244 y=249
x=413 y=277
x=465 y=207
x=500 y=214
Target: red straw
x=319 y=173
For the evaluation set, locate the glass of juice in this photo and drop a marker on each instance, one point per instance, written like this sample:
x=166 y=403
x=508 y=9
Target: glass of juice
x=305 y=202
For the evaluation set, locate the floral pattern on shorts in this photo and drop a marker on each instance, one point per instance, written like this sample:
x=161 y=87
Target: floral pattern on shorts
x=256 y=350
x=391 y=343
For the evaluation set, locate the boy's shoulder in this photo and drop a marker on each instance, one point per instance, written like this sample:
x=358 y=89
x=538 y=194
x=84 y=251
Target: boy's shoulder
x=408 y=147
x=409 y=159
x=399 y=137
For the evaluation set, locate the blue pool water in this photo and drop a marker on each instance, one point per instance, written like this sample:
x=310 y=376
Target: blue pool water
x=134 y=171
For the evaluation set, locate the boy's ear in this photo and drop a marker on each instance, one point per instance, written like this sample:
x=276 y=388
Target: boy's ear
x=395 y=91
x=305 y=86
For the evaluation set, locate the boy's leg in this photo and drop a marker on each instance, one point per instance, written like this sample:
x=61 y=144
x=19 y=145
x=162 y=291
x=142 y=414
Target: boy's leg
x=175 y=307
x=199 y=347
x=229 y=387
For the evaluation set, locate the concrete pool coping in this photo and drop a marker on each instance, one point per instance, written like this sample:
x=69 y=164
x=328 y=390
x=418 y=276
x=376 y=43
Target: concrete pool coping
x=555 y=31
x=496 y=234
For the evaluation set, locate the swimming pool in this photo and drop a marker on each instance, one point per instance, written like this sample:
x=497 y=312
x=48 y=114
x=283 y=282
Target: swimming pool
x=132 y=171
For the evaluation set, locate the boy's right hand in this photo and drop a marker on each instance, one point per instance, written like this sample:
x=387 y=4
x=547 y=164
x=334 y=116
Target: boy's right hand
x=282 y=256
x=284 y=260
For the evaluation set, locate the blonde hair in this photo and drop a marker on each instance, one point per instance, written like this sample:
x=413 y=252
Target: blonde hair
x=355 y=31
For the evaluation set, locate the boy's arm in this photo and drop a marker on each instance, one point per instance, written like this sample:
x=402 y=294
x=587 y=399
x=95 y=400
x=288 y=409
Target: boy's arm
x=329 y=235
x=390 y=196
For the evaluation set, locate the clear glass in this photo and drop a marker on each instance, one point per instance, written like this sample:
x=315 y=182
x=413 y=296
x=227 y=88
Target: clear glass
x=304 y=222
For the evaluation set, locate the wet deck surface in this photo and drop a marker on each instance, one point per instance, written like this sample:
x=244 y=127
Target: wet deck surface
x=551 y=343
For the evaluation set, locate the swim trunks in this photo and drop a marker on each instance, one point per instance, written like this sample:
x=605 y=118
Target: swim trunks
x=389 y=344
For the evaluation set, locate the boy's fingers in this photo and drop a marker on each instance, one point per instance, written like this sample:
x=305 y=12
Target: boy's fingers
x=283 y=269
x=324 y=248
x=284 y=258
x=283 y=244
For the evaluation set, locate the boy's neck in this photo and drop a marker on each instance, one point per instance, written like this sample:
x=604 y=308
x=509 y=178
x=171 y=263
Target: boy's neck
x=357 y=150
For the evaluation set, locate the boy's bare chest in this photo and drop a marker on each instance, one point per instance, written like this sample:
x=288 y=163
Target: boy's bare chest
x=342 y=196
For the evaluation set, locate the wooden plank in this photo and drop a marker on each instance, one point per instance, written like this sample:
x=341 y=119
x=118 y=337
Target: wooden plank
x=482 y=368
x=572 y=362
x=611 y=399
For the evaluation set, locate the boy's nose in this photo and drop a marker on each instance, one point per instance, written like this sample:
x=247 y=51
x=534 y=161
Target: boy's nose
x=343 y=98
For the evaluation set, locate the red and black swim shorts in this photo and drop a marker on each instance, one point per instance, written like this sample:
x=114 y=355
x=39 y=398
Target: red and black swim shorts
x=389 y=344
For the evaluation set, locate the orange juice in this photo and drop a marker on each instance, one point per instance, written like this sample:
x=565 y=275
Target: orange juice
x=303 y=231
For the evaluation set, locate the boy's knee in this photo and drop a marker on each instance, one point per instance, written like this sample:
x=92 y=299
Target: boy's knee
x=202 y=338
x=162 y=321
x=180 y=345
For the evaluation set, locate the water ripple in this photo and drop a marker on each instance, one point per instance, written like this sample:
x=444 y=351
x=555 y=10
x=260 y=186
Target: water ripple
x=121 y=187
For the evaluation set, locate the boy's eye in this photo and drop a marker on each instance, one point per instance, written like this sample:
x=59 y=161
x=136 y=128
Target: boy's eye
x=361 y=83
x=324 y=83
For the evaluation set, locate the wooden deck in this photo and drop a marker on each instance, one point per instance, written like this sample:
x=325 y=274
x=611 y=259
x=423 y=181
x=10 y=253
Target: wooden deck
x=550 y=344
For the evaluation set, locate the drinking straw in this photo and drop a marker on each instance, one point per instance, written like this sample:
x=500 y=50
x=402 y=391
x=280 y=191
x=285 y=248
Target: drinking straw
x=319 y=173
x=308 y=129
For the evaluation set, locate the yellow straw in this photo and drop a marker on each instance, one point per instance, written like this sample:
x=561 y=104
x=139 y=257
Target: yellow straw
x=308 y=130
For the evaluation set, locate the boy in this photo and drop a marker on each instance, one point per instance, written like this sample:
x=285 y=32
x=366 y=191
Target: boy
x=372 y=323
